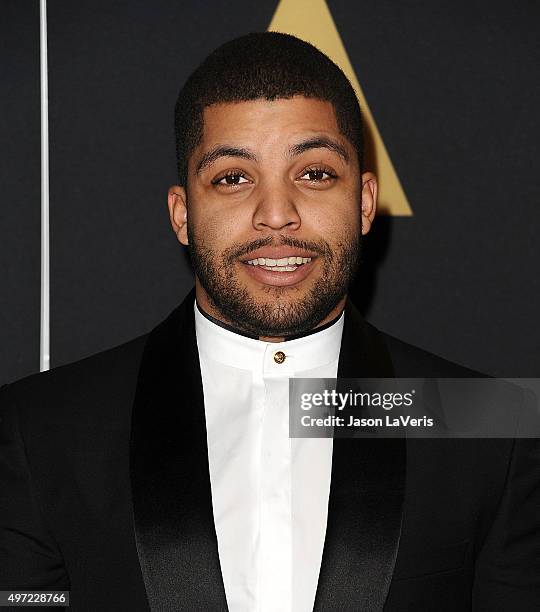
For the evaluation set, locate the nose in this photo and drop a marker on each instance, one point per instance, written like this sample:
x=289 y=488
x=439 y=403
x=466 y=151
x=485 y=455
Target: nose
x=276 y=208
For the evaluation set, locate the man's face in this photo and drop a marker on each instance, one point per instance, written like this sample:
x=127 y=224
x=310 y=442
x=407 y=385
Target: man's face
x=274 y=214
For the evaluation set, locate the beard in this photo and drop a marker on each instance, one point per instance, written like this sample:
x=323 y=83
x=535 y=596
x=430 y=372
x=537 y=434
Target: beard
x=280 y=314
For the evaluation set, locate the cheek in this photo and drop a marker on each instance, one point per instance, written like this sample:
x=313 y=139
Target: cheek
x=216 y=232
x=230 y=218
x=351 y=217
x=336 y=219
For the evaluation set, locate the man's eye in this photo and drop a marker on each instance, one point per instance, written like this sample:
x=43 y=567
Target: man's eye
x=318 y=175
x=231 y=179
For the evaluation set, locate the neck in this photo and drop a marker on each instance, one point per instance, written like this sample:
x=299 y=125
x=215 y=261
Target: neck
x=207 y=306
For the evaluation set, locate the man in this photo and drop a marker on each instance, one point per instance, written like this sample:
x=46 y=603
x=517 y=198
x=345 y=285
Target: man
x=160 y=474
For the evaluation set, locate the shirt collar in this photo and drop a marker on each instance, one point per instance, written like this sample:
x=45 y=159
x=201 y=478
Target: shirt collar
x=301 y=354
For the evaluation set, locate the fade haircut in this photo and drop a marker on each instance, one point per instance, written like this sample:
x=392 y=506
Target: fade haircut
x=268 y=65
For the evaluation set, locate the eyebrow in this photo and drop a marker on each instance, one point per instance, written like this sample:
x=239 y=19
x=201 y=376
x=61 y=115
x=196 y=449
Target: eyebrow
x=317 y=142
x=223 y=151
x=320 y=142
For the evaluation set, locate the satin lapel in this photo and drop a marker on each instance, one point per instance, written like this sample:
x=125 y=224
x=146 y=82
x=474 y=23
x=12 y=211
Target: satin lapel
x=366 y=493
x=172 y=502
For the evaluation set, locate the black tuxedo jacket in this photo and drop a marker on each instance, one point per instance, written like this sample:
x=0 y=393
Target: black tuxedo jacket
x=105 y=491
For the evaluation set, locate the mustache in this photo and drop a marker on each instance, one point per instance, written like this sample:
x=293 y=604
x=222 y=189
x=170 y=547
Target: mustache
x=232 y=253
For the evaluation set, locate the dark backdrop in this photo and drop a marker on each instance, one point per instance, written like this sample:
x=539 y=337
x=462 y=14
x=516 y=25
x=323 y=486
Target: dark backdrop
x=19 y=189
x=453 y=90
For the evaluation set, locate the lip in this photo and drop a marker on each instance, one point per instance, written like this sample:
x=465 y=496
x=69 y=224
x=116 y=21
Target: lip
x=279 y=279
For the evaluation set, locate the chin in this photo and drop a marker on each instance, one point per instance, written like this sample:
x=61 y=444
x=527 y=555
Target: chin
x=289 y=293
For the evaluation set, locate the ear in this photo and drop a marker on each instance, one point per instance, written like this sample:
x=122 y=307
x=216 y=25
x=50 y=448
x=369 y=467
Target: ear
x=176 y=202
x=369 y=200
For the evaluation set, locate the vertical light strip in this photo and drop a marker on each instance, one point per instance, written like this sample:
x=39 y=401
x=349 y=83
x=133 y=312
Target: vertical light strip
x=44 y=347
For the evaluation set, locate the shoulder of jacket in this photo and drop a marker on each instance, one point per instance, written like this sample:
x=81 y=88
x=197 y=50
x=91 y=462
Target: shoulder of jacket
x=107 y=370
x=412 y=361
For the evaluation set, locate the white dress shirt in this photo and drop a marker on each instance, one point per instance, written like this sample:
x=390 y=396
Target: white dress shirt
x=269 y=491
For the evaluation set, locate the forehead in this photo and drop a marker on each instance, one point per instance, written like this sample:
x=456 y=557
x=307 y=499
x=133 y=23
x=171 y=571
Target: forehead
x=268 y=120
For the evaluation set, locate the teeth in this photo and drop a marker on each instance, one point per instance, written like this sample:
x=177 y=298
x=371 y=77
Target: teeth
x=282 y=264
x=281 y=268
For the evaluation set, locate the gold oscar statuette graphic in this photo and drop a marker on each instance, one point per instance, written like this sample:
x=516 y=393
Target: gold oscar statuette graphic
x=312 y=21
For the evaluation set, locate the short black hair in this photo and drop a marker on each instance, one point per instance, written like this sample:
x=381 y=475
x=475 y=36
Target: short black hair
x=268 y=65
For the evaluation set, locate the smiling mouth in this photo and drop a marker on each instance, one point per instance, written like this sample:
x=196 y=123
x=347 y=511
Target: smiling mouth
x=285 y=264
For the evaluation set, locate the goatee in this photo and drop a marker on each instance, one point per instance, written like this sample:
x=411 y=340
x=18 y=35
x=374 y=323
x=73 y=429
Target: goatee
x=281 y=314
